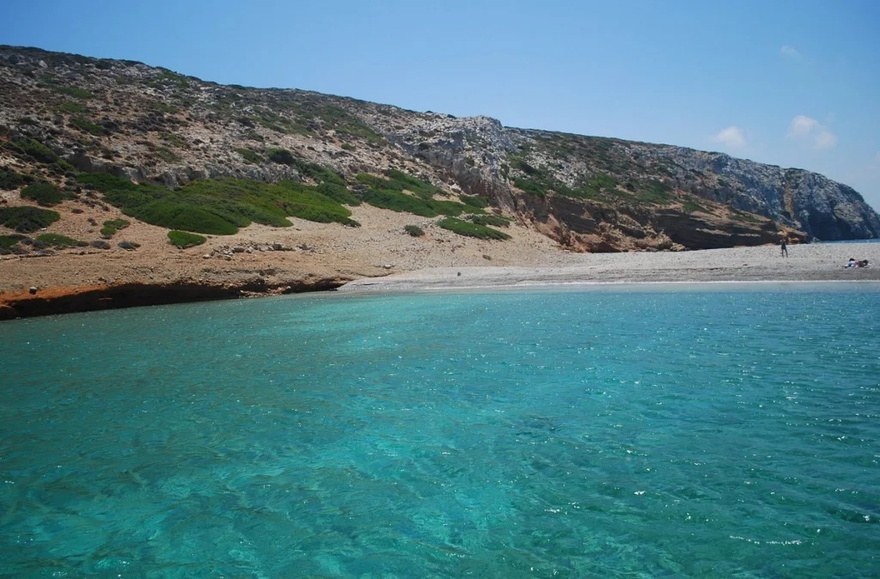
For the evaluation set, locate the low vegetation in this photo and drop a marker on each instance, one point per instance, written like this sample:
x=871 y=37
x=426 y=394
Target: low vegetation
x=220 y=206
x=250 y=156
x=184 y=239
x=34 y=149
x=73 y=91
x=404 y=193
x=7 y=241
x=10 y=180
x=87 y=126
x=414 y=230
x=493 y=220
x=469 y=229
x=27 y=219
x=112 y=226
x=44 y=194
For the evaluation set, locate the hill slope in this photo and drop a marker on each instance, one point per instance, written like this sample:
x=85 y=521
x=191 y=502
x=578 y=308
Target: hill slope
x=97 y=140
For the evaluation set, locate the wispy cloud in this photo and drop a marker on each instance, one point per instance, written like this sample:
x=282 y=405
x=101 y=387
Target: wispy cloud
x=790 y=52
x=732 y=137
x=808 y=130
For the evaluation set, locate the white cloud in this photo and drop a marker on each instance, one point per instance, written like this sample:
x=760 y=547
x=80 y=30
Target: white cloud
x=802 y=126
x=825 y=140
x=731 y=137
x=809 y=130
x=790 y=52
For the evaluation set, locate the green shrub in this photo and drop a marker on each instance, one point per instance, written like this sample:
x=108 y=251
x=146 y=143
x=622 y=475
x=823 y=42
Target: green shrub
x=10 y=180
x=495 y=220
x=691 y=206
x=471 y=229
x=87 y=126
x=403 y=181
x=474 y=201
x=414 y=230
x=27 y=219
x=182 y=239
x=655 y=192
x=7 y=241
x=71 y=107
x=111 y=226
x=221 y=206
x=35 y=149
x=281 y=156
x=57 y=240
x=319 y=173
x=75 y=92
x=128 y=245
x=117 y=223
x=338 y=193
x=105 y=182
x=44 y=194
x=389 y=194
x=175 y=215
x=250 y=156
x=166 y=154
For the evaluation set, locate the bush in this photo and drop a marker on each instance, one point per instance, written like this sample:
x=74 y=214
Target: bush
x=128 y=245
x=319 y=173
x=175 y=215
x=414 y=230
x=100 y=244
x=35 y=149
x=56 y=240
x=474 y=201
x=182 y=239
x=72 y=108
x=10 y=180
x=75 y=92
x=27 y=219
x=87 y=126
x=7 y=241
x=281 y=156
x=389 y=194
x=250 y=156
x=471 y=229
x=221 y=206
x=495 y=220
x=44 y=194
x=117 y=223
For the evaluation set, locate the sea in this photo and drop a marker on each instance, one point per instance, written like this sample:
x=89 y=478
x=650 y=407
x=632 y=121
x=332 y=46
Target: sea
x=654 y=430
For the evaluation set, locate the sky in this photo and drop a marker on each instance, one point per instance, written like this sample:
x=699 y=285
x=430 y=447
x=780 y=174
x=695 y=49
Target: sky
x=790 y=83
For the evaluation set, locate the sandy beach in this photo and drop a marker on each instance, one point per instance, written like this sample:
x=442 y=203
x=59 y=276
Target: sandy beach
x=805 y=263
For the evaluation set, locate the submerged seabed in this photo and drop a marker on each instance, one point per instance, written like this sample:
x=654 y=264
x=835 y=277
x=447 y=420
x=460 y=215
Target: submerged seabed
x=531 y=433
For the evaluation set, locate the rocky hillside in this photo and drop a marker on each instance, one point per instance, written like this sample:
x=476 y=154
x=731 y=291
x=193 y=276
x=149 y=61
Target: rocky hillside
x=67 y=119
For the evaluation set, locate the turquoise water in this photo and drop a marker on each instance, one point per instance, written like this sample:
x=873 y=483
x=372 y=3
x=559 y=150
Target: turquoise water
x=704 y=431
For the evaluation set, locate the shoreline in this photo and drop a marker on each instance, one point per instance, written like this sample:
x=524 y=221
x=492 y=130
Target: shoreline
x=810 y=263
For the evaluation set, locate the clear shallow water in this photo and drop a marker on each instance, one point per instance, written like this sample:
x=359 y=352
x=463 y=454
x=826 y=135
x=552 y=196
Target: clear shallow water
x=639 y=433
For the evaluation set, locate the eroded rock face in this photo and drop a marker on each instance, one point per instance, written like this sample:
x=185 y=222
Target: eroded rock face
x=587 y=193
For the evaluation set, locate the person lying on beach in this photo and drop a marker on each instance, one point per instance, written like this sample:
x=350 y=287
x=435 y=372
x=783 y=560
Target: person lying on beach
x=854 y=263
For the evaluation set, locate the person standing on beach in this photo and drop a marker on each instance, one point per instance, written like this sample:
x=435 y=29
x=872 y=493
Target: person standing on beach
x=784 y=248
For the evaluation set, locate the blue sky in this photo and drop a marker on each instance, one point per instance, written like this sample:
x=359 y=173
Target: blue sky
x=791 y=83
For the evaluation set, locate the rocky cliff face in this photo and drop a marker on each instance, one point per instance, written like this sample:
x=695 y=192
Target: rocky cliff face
x=63 y=114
